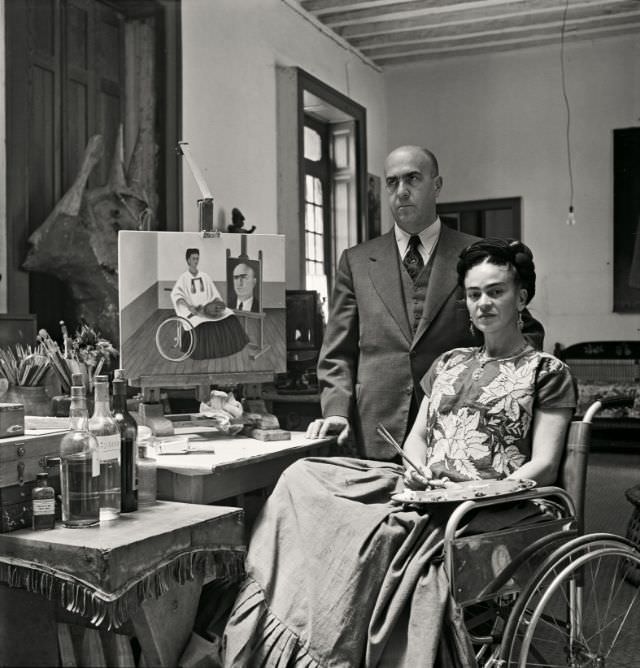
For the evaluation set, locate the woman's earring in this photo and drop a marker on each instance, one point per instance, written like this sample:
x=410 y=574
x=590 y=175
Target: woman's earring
x=472 y=329
x=520 y=321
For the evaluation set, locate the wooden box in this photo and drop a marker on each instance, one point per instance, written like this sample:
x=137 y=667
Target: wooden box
x=21 y=458
x=11 y=420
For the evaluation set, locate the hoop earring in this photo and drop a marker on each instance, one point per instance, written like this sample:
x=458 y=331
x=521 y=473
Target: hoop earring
x=472 y=329
x=520 y=321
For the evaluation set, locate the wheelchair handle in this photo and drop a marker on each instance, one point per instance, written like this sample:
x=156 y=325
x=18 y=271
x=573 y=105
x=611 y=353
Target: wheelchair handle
x=614 y=401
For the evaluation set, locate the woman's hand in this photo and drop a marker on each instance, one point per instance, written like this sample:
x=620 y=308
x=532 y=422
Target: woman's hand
x=412 y=480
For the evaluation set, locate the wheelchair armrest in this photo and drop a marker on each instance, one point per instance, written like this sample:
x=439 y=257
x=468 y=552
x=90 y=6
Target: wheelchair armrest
x=453 y=524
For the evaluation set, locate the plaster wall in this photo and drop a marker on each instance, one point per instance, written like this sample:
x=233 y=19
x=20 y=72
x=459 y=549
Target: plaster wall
x=3 y=172
x=231 y=53
x=498 y=126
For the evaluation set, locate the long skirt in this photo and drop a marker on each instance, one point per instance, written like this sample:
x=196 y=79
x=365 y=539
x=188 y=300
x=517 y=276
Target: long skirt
x=218 y=338
x=340 y=575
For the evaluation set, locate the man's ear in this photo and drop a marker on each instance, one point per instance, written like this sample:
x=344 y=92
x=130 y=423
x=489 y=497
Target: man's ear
x=437 y=184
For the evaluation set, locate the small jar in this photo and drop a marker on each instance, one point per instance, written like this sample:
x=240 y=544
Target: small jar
x=43 y=503
x=147 y=468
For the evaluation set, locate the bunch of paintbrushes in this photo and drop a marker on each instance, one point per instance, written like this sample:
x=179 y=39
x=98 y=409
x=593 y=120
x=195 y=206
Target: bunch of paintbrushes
x=66 y=363
x=57 y=360
x=23 y=365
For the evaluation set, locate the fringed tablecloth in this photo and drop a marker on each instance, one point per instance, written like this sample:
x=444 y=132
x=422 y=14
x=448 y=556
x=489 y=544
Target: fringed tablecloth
x=104 y=573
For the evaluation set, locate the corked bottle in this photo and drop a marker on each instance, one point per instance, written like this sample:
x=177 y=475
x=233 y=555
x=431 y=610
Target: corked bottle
x=79 y=467
x=128 y=445
x=43 y=503
x=104 y=428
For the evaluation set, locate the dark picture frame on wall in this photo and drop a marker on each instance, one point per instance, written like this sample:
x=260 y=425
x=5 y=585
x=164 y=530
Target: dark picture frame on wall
x=373 y=206
x=626 y=220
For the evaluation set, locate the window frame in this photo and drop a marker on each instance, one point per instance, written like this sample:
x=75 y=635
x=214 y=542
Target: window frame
x=358 y=113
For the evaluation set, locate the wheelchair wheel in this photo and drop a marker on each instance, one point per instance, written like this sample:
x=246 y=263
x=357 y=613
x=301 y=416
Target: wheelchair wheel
x=175 y=339
x=578 y=611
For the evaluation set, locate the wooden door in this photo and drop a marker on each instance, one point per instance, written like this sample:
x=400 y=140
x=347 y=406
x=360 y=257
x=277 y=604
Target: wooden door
x=66 y=80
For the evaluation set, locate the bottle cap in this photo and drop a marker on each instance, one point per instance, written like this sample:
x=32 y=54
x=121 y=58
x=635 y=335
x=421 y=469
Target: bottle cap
x=101 y=378
x=43 y=476
x=77 y=391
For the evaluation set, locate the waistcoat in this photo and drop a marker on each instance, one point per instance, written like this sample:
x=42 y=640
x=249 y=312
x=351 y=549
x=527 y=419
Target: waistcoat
x=415 y=293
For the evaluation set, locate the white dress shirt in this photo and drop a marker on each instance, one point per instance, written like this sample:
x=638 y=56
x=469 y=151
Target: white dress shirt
x=428 y=239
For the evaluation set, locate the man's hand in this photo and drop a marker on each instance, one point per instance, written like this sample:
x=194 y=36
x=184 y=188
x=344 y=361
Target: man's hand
x=333 y=424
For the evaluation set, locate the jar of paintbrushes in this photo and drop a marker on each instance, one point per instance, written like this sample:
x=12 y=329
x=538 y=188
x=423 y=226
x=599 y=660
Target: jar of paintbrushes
x=24 y=368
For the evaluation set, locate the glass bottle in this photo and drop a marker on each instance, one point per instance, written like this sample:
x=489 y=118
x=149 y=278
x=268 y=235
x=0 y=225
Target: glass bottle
x=128 y=446
x=43 y=503
x=79 y=467
x=147 y=468
x=105 y=429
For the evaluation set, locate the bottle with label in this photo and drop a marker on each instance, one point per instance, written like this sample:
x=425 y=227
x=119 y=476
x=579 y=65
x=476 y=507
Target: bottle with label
x=106 y=431
x=43 y=503
x=128 y=446
x=79 y=467
x=147 y=468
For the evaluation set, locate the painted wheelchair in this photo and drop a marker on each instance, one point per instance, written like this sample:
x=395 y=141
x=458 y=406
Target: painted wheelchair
x=546 y=594
x=175 y=338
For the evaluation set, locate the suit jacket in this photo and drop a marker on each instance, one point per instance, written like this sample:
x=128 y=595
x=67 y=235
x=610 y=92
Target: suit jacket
x=255 y=305
x=371 y=363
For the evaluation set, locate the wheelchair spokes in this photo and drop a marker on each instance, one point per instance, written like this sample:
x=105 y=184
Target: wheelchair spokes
x=577 y=613
x=175 y=339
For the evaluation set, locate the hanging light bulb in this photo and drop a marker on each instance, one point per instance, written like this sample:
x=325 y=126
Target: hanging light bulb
x=571 y=217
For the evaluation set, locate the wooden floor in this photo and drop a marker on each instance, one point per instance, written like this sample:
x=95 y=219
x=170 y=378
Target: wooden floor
x=140 y=356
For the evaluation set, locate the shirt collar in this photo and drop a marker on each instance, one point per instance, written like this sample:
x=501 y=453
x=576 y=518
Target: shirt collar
x=428 y=238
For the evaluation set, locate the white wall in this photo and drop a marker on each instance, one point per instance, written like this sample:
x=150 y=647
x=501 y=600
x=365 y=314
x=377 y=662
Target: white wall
x=3 y=172
x=230 y=52
x=497 y=124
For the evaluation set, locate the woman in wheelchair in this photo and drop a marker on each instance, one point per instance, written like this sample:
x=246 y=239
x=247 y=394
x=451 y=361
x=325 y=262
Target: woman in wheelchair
x=195 y=298
x=339 y=574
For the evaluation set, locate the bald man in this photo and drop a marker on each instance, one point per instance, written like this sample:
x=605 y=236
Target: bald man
x=395 y=307
x=244 y=285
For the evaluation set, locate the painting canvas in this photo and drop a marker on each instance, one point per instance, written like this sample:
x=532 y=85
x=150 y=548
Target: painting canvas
x=194 y=305
x=626 y=218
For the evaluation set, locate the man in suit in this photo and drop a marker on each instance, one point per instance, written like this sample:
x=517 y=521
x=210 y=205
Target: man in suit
x=395 y=307
x=244 y=284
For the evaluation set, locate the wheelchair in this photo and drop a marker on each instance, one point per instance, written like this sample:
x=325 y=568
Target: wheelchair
x=175 y=338
x=546 y=594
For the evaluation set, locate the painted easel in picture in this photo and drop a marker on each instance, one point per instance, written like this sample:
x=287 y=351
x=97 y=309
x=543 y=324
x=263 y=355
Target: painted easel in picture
x=244 y=287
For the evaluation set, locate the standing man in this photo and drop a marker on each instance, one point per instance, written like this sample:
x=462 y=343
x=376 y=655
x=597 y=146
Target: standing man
x=396 y=306
x=244 y=284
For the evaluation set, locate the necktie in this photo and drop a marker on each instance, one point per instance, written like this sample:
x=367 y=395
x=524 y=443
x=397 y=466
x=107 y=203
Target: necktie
x=412 y=260
x=239 y=306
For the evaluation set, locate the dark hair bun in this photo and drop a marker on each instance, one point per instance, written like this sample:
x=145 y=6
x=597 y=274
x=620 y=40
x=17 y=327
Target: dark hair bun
x=501 y=252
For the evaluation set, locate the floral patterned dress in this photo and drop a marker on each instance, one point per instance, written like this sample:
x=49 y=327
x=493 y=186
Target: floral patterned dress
x=479 y=416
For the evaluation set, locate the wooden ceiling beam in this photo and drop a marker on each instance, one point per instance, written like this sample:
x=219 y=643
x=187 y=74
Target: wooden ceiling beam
x=395 y=10
x=449 y=51
x=486 y=29
x=510 y=10
x=324 y=8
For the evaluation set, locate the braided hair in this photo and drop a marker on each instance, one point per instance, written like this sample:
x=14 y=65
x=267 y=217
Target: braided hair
x=504 y=253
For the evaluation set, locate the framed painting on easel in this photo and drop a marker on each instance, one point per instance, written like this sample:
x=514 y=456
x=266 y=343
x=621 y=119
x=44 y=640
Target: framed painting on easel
x=185 y=317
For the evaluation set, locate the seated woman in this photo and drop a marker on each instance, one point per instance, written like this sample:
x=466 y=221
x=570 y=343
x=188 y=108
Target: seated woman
x=195 y=298
x=337 y=573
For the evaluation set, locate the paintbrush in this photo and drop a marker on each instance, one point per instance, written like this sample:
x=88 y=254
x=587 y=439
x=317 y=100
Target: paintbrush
x=381 y=429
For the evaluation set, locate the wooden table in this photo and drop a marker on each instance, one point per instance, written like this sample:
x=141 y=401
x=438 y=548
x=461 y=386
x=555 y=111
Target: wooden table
x=239 y=465
x=144 y=570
